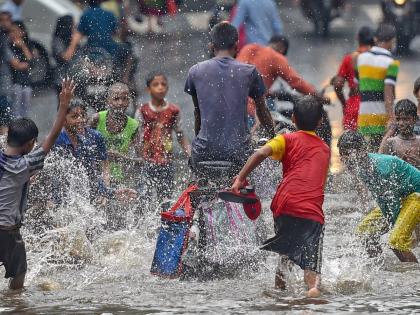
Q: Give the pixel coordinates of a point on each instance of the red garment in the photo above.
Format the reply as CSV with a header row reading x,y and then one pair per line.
x,y
305,166
241,31
157,132
351,110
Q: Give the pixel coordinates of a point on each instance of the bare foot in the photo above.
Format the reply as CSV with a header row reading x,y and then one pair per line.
x,y
313,293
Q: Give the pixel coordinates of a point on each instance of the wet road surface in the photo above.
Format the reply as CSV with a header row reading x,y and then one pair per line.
x,y
117,279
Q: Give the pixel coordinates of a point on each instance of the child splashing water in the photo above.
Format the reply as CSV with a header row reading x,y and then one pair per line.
x,y
297,204
160,119
18,163
88,147
395,185
120,131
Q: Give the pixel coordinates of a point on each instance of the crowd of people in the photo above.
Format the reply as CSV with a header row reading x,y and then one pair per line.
x,y
226,91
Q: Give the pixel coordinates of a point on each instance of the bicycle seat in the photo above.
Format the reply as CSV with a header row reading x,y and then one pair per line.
x,y
215,169
215,165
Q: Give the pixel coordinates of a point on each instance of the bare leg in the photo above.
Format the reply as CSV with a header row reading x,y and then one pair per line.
x,y
280,278
406,256
17,282
312,280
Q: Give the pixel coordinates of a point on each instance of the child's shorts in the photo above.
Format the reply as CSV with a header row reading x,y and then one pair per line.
x,y
12,253
299,239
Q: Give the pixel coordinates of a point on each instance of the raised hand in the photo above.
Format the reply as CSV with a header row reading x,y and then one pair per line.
x,y
67,92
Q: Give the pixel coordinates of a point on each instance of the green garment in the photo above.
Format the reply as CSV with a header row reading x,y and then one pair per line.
x,y
119,142
390,181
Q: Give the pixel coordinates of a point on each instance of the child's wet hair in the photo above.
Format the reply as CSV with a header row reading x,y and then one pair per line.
x,y
365,36
21,131
307,112
75,103
406,107
152,75
351,140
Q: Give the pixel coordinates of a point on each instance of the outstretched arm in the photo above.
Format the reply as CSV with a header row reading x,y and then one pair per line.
x,y
250,165
67,90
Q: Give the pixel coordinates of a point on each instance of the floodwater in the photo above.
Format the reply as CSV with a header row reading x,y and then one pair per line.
x,y
111,274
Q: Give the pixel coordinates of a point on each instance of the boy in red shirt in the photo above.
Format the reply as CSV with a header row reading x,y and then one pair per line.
x,y
347,73
160,119
297,204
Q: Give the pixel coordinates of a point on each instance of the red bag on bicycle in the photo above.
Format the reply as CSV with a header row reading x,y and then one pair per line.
x,y
183,203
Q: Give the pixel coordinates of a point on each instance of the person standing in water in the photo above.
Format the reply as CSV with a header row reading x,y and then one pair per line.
x,y
395,185
18,163
297,204
347,73
120,131
377,72
160,119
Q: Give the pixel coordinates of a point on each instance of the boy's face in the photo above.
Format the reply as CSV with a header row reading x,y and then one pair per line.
x,y
119,100
350,159
5,22
158,87
405,123
75,120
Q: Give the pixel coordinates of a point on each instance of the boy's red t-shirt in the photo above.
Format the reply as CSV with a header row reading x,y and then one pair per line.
x,y
305,158
158,125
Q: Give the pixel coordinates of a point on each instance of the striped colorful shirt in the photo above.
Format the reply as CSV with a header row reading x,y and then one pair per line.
x,y
375,68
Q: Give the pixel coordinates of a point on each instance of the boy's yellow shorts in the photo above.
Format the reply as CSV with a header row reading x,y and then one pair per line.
x,y
408,220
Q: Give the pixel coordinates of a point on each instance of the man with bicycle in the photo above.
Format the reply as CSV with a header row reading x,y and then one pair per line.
x,y
220,88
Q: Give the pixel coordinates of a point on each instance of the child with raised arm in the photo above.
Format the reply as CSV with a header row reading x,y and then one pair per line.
x,y
17,164
297,204
160,120
405,144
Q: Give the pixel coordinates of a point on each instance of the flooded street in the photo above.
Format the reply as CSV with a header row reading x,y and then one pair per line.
x,y
112,274
117,279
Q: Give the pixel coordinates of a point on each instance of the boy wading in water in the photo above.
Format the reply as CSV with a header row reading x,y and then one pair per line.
x,y
119,130
17,164
297,204
405,145
395,185
160,119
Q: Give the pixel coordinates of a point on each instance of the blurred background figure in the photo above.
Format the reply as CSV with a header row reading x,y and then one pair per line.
x,y
153,10
260,18
62,50
14,7
22,90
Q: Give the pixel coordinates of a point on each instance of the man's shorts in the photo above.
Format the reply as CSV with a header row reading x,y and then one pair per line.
x,y
299,239
401,236
12,253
